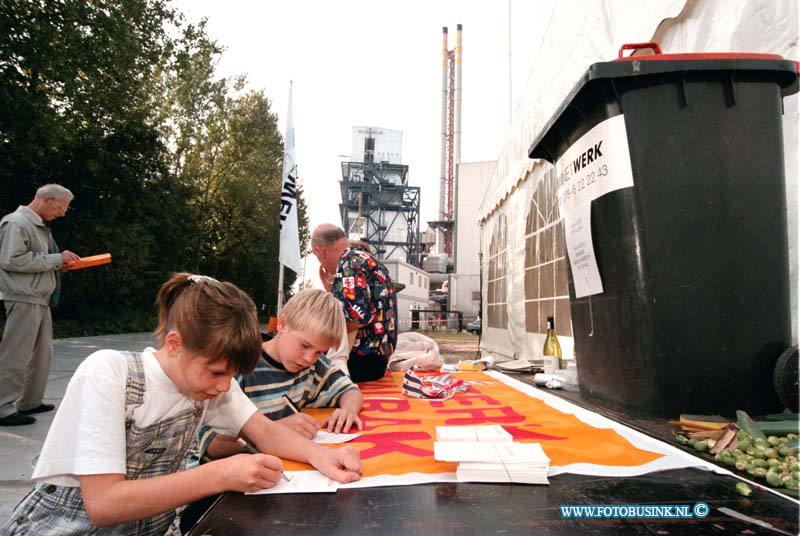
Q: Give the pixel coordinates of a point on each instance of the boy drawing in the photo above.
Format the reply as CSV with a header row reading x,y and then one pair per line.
x,y
292,364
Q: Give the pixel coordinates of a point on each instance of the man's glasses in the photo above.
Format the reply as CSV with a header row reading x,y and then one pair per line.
x,y
62,207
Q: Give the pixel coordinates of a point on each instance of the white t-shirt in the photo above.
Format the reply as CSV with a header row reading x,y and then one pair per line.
x,y
87,436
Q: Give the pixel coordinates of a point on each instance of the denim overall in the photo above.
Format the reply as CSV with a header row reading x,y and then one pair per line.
x,y
158,449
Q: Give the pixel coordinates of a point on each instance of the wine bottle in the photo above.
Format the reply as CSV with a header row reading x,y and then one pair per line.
x,y
552,348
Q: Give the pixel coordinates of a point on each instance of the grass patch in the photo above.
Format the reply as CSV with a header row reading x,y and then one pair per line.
x,y
449,336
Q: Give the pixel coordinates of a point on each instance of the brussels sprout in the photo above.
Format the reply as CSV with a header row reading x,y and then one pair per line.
x,y
772,440
744,444
743,489
774,480
741,465
790,484
700,446
759,462
742,435
770,453
760,472
772,462
681,439
774,471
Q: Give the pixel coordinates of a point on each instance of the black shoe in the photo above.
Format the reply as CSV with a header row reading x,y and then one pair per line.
x,y
17,419
41,408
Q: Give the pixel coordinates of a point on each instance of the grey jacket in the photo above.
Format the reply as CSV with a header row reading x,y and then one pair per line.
x,y
27,269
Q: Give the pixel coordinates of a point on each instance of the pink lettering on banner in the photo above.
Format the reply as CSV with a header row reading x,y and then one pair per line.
x,y
385,405
469,400
372,423
373,414
505,414
378,389
520,433
392,442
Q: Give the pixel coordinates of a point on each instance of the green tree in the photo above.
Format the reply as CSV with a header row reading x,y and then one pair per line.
x,y
79,97
173,167
228,151
245,208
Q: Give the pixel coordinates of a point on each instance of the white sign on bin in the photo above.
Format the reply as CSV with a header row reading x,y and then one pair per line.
x,y
578,231
595,165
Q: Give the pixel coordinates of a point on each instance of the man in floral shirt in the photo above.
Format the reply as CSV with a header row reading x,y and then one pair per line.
x,y
366,290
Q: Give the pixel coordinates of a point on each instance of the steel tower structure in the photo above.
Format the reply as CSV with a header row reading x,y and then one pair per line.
x,y
380,207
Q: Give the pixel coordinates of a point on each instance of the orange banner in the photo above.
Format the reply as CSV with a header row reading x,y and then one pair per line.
x,y
399,431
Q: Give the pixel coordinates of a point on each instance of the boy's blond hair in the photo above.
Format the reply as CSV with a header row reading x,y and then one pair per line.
x,y
316,310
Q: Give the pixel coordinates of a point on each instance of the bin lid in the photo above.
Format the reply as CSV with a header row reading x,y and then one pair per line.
x,y
770,67
659,56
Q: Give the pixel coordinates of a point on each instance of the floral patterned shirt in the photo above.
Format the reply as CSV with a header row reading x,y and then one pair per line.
x,y
366,289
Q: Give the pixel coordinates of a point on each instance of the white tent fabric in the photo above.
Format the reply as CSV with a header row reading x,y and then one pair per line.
x,y
582,33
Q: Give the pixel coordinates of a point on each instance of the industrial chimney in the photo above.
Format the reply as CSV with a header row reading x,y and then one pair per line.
x,y
451,141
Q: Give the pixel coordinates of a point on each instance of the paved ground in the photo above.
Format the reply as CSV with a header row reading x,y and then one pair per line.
x,y
19,444
454,347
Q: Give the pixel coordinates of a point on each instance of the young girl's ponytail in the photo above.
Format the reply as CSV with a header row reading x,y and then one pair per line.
x,y
215,319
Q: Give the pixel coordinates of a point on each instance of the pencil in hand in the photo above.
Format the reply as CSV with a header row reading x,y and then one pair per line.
x,y
252,450
291,404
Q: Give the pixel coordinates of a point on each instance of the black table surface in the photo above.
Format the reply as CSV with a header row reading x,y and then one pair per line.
x,y
472,508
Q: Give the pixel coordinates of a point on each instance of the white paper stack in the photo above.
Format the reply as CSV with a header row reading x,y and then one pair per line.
x,y
484,434
494,461
521,463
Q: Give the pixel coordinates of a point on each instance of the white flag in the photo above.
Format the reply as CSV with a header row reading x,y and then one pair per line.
x,y
289,254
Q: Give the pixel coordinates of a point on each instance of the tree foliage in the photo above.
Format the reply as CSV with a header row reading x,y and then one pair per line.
x,y
173,167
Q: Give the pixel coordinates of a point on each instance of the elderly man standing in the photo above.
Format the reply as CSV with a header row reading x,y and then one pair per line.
x,y
29,285
366,289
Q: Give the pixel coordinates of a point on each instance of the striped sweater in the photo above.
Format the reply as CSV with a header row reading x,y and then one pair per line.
x,y
318,386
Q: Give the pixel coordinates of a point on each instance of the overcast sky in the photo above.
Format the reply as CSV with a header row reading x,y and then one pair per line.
x,y
376,63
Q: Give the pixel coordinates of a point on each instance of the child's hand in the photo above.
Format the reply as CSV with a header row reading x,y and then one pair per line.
x,y
341,420
250,472
342,464
303,424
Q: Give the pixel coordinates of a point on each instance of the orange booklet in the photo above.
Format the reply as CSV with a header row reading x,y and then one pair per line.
x,y
87,262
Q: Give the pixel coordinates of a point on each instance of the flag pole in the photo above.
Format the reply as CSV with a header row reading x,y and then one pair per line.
x,y
289,241
280,290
